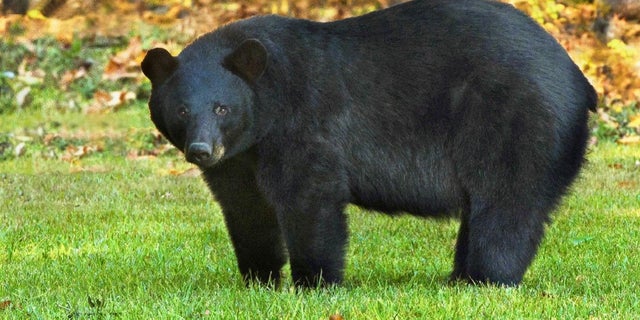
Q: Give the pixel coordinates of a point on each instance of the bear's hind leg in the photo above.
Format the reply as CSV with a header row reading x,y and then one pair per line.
x,y
501,242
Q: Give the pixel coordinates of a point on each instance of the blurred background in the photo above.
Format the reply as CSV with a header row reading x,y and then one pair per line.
x,y
82,57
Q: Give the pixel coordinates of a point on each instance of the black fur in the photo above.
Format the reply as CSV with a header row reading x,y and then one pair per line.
x,y
432,107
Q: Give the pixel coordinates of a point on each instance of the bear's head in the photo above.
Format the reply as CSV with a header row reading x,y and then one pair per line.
x,y
202,100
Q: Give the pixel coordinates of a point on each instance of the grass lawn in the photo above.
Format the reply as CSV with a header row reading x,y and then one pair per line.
x,y
110,236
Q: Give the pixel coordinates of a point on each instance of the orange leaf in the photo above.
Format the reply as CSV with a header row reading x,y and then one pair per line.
x,y
6,304
125,63
635,121
72,75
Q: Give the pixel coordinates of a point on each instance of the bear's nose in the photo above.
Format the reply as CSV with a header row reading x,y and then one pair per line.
x,y
199,152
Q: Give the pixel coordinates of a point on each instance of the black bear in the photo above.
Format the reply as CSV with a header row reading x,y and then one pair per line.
x,y
431,107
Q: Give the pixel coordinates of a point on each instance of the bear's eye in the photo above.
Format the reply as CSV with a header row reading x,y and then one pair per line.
x,y
221,110
183,111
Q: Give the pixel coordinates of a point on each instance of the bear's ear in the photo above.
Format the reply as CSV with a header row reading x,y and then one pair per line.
x,y
158,65
248,61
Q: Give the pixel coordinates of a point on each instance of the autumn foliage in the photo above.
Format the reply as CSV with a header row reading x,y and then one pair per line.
x,y
86,54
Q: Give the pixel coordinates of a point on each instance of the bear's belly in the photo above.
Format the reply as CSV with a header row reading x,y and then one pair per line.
x,y
423,188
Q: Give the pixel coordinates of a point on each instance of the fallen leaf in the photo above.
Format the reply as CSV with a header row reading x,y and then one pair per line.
x,y
30,77
90,169
106,101
136,155
20,149
167,195
22,95
5,304
36,14
336,316
189,173
628,140
168,17
73,153
634,121
125,64
627,184
616,166
72,75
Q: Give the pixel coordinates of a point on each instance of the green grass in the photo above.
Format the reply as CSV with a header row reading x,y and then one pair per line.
x,y
110,237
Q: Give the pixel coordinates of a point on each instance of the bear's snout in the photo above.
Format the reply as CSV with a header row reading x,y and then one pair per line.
x,y
203,155
198,152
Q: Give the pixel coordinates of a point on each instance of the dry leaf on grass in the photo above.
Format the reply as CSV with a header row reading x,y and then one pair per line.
x,y
628,140
125,64
107,101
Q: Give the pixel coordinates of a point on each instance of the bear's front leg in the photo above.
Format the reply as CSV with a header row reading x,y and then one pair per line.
x,y
309,193
316,236
251,221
